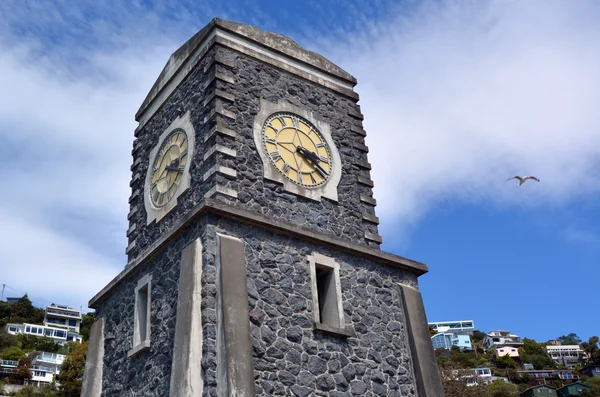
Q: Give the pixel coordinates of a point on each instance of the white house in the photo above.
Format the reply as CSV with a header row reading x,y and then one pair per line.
x,y
45,366
59,335
62,316
567,355
501,338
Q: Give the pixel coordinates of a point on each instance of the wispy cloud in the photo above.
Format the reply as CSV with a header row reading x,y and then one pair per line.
x,y
461,95
458,96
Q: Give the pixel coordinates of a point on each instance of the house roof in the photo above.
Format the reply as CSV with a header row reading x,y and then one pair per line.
x,y
539,386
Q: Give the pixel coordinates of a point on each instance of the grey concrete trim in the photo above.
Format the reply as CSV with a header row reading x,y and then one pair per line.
x,y
224,61
370,218
220,128
368,200
266,55
130,247
235,368
131,229
141,342
212,206
220,169
358,129
220,94
186,377
276,50
363,164
135,193
136,162
427,376
137,144
219,110
365,181
373,237
219,149
136,176
356,114
361,147
94,363
132,212
183,123
219,60
224,77
328,190
143,346
332,306
347,331
218,189
172,75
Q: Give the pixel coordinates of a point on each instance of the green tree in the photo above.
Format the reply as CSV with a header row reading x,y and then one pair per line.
x,y
500,388
571,339
5,313
506,361
88,321
454,382
71,372
7,340
594,383
592,350
532,347
478,336
12,353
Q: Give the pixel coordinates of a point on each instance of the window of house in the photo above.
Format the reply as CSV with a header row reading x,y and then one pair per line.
x,y
327,294
141,315
72,323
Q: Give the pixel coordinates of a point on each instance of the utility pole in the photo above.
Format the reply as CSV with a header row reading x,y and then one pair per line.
x,y
3,286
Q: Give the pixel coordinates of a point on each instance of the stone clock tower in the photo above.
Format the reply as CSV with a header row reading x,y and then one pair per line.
x,y
254,265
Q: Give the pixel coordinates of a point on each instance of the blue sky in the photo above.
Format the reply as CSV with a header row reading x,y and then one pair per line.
x,y
458,96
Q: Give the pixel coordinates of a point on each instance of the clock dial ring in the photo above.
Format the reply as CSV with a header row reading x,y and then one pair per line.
x,y
297,149
168,167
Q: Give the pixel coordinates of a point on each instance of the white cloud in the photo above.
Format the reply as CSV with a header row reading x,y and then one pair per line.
x,y
66,138
458,96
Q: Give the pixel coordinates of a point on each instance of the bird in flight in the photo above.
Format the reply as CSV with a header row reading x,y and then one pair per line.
x,y
522,179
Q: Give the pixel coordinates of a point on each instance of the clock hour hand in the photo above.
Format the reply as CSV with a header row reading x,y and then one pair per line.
x,y
173,168
313,158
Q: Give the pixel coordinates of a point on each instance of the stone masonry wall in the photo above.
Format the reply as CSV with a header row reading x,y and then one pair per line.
x,y
292,359
148,373
255,80
289,357
244,81
190,95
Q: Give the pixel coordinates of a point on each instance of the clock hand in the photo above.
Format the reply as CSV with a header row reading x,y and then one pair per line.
x,y
173,168
313,158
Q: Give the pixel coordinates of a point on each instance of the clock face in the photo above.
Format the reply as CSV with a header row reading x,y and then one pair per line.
x,y
168,168
297,149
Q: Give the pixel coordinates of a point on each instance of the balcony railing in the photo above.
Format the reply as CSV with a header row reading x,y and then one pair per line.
x,y
9,363
63,313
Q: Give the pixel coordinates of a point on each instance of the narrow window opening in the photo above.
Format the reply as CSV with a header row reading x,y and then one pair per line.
x,y
327,296
142,313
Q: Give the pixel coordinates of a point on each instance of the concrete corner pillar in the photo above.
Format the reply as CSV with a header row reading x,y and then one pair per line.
x,y
92,376
186,371
235,370
427,374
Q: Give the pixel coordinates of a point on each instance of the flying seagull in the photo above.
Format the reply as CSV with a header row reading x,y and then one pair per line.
x,y
522,179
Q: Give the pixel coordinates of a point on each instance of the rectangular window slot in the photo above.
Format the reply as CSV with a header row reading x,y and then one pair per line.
x,y
142,313
141,316
327,296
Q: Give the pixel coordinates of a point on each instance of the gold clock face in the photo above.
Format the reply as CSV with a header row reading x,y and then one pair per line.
x,y
168,167
297,149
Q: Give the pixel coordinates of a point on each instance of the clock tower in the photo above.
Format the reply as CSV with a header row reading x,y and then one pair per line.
x,y
254,265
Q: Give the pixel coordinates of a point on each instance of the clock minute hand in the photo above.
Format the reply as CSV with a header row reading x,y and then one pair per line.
x,y
313,158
